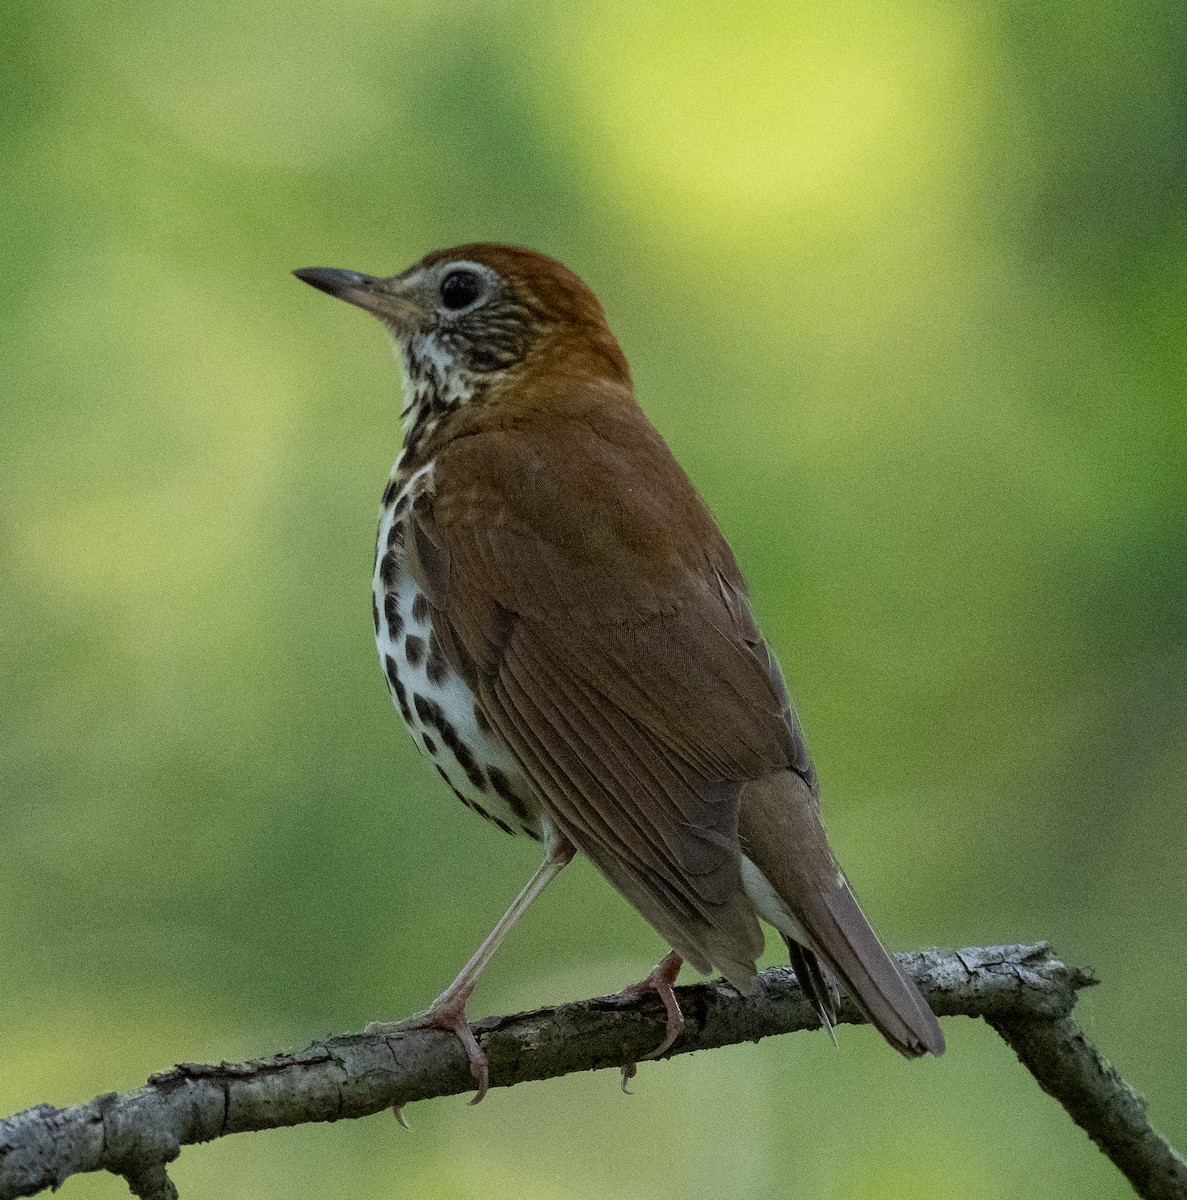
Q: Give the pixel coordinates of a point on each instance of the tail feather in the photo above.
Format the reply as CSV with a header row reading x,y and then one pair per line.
x,y
800,890
817,984
886,996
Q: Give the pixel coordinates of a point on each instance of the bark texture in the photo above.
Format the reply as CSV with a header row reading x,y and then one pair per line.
x,y
1024,992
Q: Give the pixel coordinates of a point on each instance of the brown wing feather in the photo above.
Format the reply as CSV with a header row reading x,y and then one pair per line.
x,y
623,688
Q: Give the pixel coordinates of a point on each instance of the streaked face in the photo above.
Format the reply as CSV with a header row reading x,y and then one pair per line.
x,y
455,315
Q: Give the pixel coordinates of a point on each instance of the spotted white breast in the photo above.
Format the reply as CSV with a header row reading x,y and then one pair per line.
x,y
437,705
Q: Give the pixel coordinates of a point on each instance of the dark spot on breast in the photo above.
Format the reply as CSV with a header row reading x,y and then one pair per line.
x,y
393,677
508,794
461,752
393,674
424,709
436,668
389,568
500,823
374,613
429,744
441,771
420,607
460,795
501,784
389,492
391,612
414,649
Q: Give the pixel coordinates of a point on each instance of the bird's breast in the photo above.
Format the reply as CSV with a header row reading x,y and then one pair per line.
x,y
438,706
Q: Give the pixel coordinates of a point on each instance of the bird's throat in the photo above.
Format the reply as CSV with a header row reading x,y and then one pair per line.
x,y
436,387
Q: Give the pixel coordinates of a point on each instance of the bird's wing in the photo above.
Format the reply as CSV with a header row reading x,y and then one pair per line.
x,y
602,623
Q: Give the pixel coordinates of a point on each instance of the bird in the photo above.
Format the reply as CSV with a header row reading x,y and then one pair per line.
x,y
570,640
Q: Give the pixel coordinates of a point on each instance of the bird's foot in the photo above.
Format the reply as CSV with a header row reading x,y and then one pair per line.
x,y
661,981
449,1013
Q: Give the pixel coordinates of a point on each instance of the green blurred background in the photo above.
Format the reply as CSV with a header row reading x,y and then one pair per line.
x,y
904,285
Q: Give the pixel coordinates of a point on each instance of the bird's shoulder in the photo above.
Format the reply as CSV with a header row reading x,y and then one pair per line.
x,y
575,508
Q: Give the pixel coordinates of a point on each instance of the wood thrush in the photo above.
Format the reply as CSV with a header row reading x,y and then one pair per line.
x,y
568,637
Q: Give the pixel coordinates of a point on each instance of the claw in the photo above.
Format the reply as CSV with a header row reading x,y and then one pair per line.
x,y
450,1016
660,981
398,1113
675,1023
479,1064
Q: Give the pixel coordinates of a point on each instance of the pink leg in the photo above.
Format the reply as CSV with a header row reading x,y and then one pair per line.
x,y
662,981
448,1011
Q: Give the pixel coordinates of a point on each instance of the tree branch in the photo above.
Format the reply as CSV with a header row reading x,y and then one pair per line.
x,y
1024,992
1071,1069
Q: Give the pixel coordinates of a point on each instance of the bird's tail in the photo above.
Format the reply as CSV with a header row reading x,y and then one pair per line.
x,y
795,884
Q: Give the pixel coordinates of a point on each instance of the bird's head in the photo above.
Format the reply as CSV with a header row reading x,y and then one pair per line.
x,y
472,315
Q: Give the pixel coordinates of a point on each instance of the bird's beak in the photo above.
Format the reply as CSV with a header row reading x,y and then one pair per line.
x,y
388,299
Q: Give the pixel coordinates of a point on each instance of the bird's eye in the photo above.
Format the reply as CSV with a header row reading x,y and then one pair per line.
x,y
460,289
